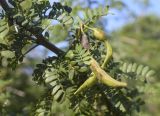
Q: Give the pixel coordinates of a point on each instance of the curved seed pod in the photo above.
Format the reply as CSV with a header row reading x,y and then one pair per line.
x,y
103,77
139,69
87,84
98,33
92,80
109,53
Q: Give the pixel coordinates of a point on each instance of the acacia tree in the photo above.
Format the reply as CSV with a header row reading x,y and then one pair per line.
x,y
85,77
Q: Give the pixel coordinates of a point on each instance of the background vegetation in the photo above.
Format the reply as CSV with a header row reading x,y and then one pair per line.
x,y
137,41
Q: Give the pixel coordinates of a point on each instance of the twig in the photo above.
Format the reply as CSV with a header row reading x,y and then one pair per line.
x,y
40,39
30,49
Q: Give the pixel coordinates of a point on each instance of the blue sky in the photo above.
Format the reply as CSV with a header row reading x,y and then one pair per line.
x,y
119,19
122,17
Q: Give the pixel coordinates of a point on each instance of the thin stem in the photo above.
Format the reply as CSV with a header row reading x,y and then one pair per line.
x,y
89,27
81,27
22,55
40,39
30,49
4,5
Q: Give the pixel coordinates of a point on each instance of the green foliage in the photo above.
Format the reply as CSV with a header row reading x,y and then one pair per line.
x,y
25,22
150,31
139,70
65,76
28,23
4,28
12,92
142,42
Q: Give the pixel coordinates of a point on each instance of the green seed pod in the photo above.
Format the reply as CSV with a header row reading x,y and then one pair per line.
x,y
92,80
103,77
87,84
98,33
109,53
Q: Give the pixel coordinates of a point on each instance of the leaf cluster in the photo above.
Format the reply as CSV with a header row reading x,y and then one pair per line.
x,y
62,75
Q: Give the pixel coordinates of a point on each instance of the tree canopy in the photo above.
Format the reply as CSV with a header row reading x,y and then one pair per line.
x,y
94,75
